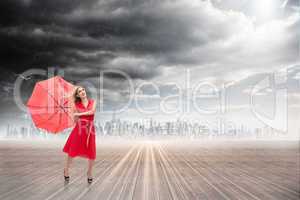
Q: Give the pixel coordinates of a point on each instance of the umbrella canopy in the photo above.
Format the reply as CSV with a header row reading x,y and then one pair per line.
x,y
51,104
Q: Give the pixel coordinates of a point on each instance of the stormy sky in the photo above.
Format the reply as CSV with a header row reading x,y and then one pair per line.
x,y
160,44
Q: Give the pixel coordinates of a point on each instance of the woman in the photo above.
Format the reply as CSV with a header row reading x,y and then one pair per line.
x,y
82,140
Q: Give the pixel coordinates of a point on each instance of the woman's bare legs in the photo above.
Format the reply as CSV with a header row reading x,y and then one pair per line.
x,y
90,167
68,164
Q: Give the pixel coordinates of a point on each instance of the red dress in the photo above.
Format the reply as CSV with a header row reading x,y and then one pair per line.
x,y
82,139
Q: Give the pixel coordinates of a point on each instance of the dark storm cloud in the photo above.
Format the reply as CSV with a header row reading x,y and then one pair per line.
x,y
70,33
37,34
52,32
18,12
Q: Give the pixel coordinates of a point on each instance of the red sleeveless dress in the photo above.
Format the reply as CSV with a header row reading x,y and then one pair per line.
x,y
82,139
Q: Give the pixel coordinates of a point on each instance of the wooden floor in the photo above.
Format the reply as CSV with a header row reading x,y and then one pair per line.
x,y
153,170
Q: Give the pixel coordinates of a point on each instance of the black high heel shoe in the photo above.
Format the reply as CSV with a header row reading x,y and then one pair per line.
x,y
67,178
89,179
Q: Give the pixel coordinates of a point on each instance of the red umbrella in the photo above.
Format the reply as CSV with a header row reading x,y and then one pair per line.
x,y
51,104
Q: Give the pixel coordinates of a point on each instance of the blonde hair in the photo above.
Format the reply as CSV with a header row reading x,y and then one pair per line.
x,y
75,97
